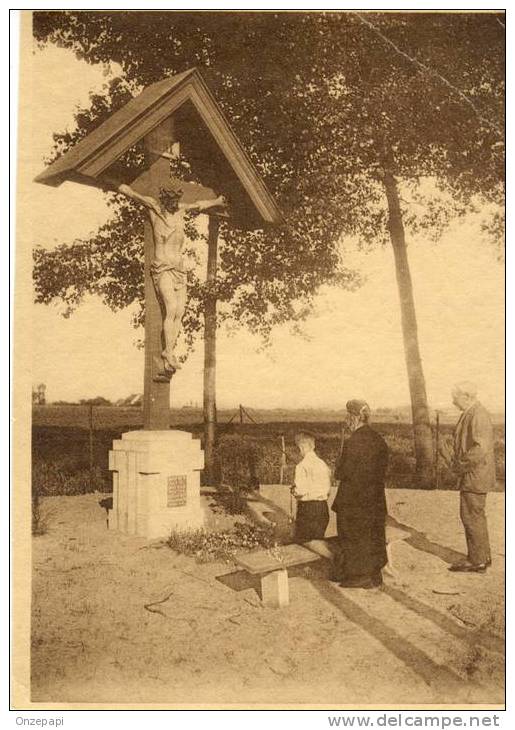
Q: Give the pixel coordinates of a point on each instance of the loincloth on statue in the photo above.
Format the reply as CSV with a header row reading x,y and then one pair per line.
x,y
177,276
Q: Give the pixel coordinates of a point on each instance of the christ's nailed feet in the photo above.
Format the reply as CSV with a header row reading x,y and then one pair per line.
x,y
162,371
162,377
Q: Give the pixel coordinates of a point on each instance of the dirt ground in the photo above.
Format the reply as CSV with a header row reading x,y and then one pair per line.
x,y
116,619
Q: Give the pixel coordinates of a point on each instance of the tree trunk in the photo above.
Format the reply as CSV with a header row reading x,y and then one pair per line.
x,y
210,475
422,434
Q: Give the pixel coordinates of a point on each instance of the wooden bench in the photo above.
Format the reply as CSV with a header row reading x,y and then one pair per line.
x,y
272,566
274,571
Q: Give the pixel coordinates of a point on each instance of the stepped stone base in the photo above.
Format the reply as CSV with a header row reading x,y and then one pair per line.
x,y
156,483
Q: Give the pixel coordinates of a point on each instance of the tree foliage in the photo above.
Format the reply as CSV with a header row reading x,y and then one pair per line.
x,y
262,274
323,103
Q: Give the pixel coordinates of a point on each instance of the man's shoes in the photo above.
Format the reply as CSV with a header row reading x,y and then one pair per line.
x,y
162,377
366,586
373,584
467,567
367,583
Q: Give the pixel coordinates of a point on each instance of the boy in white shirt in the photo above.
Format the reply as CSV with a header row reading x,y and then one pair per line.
x,y
311,490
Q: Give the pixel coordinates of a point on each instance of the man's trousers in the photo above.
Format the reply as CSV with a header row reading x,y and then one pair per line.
x,y
472,513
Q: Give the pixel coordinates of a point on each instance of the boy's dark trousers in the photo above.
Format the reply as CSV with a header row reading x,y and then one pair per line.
x,y
312,520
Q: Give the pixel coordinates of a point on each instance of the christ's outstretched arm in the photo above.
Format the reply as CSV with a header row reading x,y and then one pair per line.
x,y
201,205
146,200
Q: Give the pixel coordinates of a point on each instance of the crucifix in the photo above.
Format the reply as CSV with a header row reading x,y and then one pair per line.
x,y
177,114
165,276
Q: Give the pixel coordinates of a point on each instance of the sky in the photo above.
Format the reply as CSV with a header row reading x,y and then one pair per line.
x,y
353,344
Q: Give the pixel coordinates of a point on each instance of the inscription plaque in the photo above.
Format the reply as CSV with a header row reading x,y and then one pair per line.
x,y
176,493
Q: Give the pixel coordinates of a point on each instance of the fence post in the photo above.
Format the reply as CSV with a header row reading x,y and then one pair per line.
x,y
437,451
342,438
91,447
283,461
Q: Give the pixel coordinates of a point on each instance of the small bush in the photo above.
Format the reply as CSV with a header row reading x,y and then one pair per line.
x,y
207,547
40,515
52,479
39,526
239,458
500,460
230,502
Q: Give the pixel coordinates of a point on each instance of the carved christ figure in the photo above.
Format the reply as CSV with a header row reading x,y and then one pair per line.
x,y
167,217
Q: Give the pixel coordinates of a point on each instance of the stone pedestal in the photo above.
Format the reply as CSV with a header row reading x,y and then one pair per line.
x,y
156,483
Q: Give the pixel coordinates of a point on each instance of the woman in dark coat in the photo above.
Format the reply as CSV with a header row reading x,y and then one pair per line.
x,y
360,503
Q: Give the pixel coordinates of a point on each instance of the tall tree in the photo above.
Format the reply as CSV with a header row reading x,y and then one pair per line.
x,y
345,114
420,98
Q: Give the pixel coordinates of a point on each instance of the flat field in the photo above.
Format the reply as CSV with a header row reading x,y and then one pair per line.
x,y
248,452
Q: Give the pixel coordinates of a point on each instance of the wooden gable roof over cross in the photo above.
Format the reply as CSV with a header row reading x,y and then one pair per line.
x,y
206,140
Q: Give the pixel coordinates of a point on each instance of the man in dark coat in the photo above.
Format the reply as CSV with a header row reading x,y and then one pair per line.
x,y
360,503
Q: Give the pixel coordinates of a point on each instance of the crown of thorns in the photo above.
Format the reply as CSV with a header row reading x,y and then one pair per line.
x,y
171,192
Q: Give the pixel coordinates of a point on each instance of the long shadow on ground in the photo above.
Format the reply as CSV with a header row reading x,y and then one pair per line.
x,y
486,639
419,541
409,654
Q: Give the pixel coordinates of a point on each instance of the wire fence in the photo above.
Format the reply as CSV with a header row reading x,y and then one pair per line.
x,y
71,446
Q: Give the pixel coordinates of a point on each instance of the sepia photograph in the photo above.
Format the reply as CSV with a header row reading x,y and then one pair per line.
x,y
259,360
